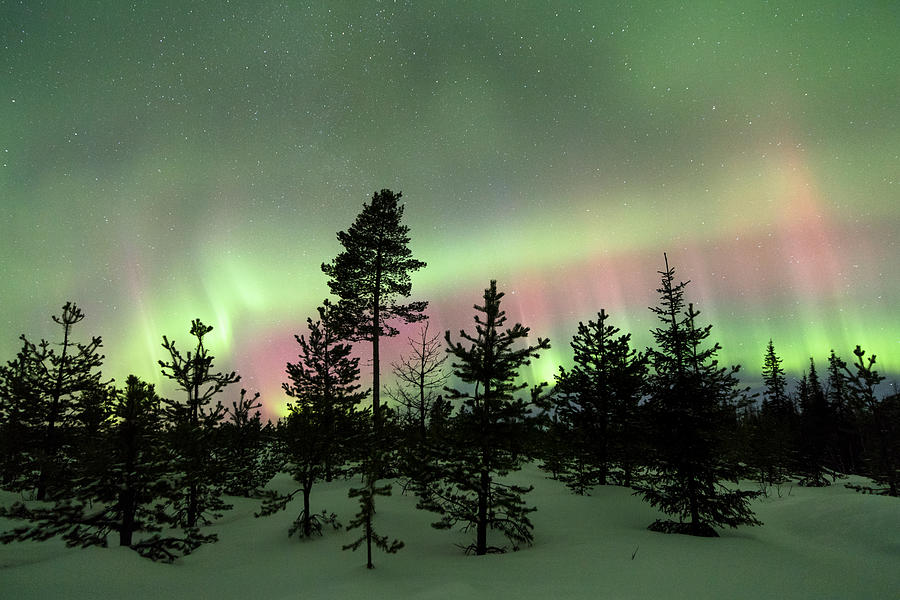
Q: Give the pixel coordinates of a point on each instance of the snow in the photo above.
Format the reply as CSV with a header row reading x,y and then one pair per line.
x,y
816,543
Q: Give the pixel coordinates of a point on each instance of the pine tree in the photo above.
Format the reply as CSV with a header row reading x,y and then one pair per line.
x,y
92,425
370,274
596,404
122,487
319,432
365,518
21,418
246,449
41,391
192,430
487,437
692,410
882,425
139,469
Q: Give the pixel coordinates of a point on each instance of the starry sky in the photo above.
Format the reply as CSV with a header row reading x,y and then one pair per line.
x,y
167,160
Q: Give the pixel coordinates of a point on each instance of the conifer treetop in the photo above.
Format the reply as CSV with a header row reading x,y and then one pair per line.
x,y
192,370
373,270
490,357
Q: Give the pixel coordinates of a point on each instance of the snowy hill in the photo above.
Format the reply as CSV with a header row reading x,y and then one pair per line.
x,y
816,543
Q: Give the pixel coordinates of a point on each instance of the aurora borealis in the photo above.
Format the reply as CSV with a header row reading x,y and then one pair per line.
x,y
162,161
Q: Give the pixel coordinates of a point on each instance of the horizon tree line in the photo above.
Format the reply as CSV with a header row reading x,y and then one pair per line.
x,y
668,422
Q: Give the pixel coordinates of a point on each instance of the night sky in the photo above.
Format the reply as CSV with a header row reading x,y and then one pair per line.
x,y
162,161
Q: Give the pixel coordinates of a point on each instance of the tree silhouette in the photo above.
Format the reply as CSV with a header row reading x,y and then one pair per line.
x,y
371,274
775,428
319,432
595,406
40,394
848,415
815,426
21,421
882,459
419,378
364,519
775,394
692,410
486,438
122,486
192,431
245,448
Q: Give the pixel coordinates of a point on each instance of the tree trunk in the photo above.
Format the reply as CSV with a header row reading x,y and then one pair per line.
x,y
307,525
482,525
50,441
193,491
484,487
695,512
422,404
603,471
127,506
376,335
376,378
192,505
369,564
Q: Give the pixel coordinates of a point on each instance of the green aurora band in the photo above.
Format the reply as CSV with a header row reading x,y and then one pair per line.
x,y
169,161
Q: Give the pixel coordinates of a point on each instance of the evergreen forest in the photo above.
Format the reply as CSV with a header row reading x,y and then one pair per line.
x,y
99,462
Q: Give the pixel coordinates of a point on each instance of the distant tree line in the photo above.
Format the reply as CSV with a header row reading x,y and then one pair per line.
x,y
89,458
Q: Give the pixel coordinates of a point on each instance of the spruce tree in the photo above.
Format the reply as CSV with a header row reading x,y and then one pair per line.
x,y
318,435
692,410
815,426
370,274
775,394
596,404
487,437
192,435
775,428
845,443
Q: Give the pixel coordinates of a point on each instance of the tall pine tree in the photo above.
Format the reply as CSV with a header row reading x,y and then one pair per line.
x,y
371,274
692,409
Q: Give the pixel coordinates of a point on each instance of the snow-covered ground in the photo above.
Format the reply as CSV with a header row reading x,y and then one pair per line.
x,y
816,543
